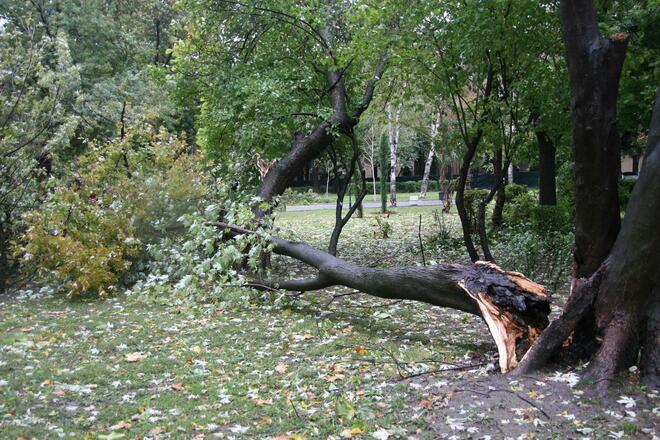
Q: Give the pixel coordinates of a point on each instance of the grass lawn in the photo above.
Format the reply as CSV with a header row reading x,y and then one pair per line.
x,y
275,366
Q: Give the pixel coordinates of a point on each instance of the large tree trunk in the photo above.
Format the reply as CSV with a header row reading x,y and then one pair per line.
x,y
594,67
394,132
547,185
514,308
624,292
632,281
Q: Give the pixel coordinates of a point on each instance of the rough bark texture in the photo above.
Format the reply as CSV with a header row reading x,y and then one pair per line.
x,y
623,294
594,66
627,294
547,169
514,308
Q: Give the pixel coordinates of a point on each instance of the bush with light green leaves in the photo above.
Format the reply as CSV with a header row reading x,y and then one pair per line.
x,y
91,232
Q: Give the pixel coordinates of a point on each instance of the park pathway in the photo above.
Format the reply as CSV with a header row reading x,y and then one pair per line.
x,y
320,206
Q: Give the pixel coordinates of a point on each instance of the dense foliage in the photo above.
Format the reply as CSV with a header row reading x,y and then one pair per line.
x,y
126,128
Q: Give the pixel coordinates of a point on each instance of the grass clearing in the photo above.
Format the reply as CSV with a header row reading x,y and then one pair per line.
x,y
260,366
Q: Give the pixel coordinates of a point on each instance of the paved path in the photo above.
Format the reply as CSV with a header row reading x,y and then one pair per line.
x,y
320,206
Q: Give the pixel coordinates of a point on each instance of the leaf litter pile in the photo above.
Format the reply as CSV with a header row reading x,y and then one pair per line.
x,y
328,364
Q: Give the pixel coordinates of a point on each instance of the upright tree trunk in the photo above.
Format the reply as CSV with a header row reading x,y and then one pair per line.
x,y
394,131
463,177
628,294
427,172
498,170
316,181
383,155
618,285
509,174
444,184
624,293
594,67
429,160
157,55
547,153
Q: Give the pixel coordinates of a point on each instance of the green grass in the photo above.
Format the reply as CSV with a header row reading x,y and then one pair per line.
x,y
247,366
67,369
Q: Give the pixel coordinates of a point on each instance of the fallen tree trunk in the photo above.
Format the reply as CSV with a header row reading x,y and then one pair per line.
x,y
514,308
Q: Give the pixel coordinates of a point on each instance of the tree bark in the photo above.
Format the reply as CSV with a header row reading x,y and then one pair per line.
x,y
382,156
632,284
316,181
460,195
500,196
429,160
547,171
340,219
394,132
594,67
623,294
427,172
514,308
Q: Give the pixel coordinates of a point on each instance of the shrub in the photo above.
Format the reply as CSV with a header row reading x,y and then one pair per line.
x,y
543,257
408,187
525,210
513,191
414,186
78,243
383,228
83,238
521,210
548,219
294,197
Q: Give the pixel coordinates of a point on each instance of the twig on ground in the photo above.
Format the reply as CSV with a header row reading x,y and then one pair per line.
x,y
442,370
294,409
391,303
524,399
340,295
